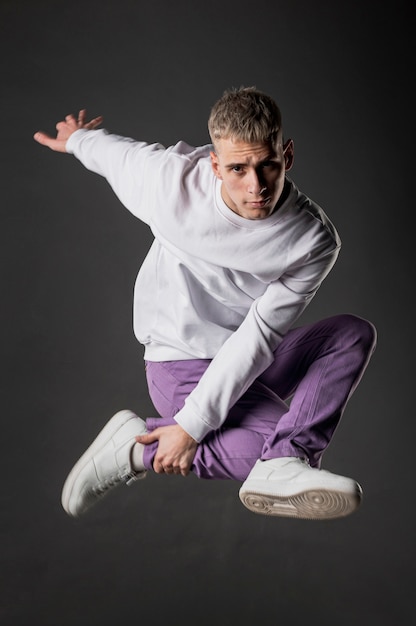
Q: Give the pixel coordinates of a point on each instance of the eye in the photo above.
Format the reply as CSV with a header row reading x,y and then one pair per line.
x,y
237,169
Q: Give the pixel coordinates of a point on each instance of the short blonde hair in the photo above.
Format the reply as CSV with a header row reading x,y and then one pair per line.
x,y
245,114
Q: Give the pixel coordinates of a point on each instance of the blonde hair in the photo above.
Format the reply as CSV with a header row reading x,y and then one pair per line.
x,y
245,114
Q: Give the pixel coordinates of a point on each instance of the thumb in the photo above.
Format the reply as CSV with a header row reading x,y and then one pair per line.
x,y
148,438
42,137
46,140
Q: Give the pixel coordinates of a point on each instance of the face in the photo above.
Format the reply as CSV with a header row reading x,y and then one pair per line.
x,y
252,174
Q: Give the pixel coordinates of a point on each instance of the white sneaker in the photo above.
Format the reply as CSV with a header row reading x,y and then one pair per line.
x,y
104,465
289,487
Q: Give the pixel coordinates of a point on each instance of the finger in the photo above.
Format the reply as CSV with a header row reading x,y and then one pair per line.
x,y
69,118
50,142
42,138
145,439
158,467
94,122
47,140
81,117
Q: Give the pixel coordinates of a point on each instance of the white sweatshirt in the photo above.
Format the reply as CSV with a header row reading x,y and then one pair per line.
x,y
214,285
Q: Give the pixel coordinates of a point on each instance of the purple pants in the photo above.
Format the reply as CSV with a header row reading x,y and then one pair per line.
x,y
292,409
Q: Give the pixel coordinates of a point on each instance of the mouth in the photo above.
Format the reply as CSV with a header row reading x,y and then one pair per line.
x,y
259,204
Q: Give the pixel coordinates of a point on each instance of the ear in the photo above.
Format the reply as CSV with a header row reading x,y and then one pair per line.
x,y
288,153
215,164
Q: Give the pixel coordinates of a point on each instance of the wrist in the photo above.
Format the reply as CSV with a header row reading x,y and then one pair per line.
x,y
185,434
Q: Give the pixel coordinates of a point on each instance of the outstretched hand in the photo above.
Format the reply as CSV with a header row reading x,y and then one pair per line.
x,y
65,130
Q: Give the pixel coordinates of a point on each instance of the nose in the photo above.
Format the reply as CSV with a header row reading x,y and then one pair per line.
x,y
255,184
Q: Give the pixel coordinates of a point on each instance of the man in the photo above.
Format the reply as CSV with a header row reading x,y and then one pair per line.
x,y
238,254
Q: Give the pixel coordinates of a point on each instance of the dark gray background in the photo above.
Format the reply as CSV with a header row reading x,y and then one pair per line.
x,y
182,551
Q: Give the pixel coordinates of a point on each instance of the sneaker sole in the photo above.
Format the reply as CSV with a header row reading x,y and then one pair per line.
x,y
312,504
113,425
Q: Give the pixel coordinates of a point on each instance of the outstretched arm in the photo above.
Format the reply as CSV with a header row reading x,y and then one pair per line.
x,y
65,130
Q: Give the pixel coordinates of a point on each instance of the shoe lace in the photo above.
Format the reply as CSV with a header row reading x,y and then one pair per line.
x,y
115,479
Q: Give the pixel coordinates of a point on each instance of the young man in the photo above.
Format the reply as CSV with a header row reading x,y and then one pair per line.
x,y
238,254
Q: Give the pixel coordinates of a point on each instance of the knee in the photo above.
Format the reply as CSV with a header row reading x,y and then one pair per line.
x,y
359,330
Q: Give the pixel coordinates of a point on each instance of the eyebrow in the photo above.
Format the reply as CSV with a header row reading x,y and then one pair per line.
x,y
270,157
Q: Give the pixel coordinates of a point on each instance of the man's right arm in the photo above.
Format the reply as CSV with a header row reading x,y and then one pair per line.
x,y
129,166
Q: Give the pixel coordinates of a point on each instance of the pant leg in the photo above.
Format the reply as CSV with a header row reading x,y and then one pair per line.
x,y
321,365
229,452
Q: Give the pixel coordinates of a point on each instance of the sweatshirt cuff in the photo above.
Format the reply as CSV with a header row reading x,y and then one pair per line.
x,y
71,142
192,424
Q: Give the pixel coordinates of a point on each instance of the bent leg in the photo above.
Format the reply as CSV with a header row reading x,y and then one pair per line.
x,y
321,365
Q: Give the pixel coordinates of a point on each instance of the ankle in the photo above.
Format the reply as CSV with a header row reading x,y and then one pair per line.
x,y
137,457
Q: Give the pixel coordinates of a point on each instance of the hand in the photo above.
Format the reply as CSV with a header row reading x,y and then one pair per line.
x,y
65,130
176,449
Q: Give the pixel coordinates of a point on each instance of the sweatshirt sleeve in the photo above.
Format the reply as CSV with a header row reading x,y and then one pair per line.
x,y
129,166
249,350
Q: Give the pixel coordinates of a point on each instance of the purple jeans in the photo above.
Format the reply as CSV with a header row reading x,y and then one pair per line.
x,y
292,409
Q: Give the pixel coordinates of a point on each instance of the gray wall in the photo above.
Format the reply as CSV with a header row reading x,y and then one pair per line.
x,y
173,550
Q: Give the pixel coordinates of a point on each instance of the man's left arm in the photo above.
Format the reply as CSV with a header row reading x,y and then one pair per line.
x,y
250,349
